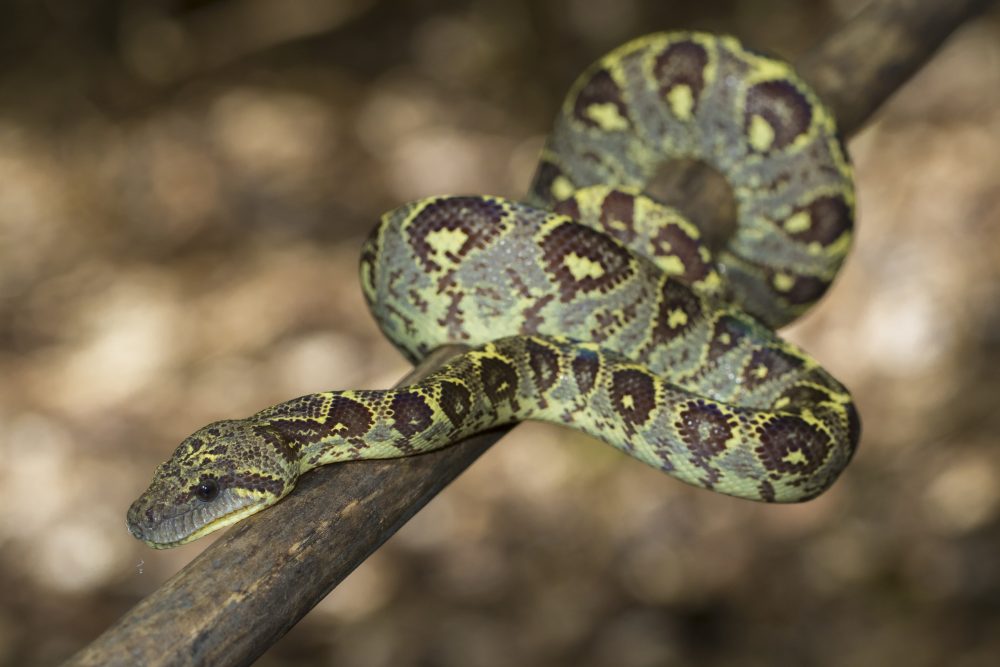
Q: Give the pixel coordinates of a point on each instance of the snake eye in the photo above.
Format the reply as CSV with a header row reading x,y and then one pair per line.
x,y
207,490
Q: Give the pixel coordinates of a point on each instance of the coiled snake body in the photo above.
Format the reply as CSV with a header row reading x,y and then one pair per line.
x,y
591,305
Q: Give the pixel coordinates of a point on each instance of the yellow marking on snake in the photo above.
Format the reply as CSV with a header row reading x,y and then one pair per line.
x,y
783,282
607,117
681,101
562,188
798,222
582,267
672,264
677,318
761,134
795,457
444,241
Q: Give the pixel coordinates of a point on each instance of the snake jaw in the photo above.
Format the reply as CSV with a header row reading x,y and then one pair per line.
x,y
180,525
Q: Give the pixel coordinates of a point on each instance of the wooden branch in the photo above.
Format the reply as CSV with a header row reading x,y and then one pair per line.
x,y
245,591
856,68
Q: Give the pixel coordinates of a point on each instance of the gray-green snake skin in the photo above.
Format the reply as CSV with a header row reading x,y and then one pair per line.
x,y
591,305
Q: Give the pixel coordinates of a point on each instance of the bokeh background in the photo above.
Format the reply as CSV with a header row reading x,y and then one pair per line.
x,y
184,186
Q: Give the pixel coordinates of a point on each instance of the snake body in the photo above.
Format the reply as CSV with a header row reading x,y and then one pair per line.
x,y
592,304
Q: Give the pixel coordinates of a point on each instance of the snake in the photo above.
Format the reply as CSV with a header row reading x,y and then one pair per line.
x,y
591,303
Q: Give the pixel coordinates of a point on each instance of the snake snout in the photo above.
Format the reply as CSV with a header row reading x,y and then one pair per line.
x,y
143,519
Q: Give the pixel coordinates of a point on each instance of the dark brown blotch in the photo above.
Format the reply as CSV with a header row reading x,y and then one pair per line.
x,y
805,290
568,207
601,88
586,365
478,218
410,413
829,217
682,63
571,238
303,431
790,445
768,364
618,215
704,429
251,481
499,379
354,417
805,395
679,310
783,107
672,241
545,176
456,402
275,440
728,333
633,393
311,406
544,364
347,418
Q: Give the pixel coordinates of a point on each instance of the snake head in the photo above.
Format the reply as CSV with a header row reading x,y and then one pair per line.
x,y
219,475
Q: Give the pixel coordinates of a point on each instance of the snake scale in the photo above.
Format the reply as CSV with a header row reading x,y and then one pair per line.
x,y
591,304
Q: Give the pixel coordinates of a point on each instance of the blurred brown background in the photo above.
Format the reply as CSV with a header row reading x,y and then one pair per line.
x,y
183,191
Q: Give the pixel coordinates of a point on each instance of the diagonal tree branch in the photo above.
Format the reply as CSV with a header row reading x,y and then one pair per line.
x,y
245,591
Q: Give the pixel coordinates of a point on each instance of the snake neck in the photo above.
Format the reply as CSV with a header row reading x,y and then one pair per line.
x,y
332,427
600,393
491,386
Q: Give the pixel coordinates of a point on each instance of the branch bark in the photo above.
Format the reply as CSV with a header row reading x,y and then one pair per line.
x,y
854,70
247,589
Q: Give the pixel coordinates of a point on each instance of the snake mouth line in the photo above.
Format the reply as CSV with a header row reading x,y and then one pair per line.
x,y
222,521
